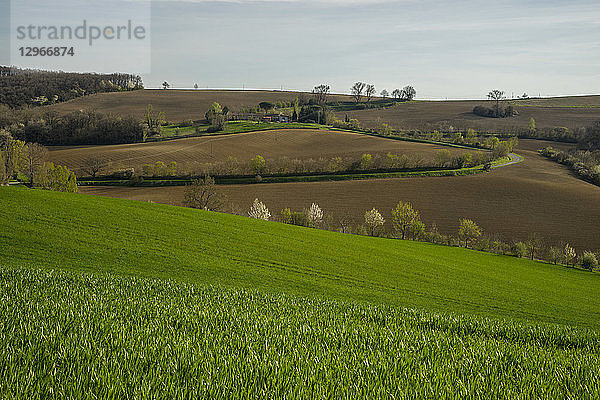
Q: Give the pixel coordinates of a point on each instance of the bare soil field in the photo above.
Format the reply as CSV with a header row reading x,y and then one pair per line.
x,y
180,105
535,196
189,153
548,113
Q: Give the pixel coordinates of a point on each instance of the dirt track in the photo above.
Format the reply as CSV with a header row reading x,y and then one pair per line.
x,y
535,195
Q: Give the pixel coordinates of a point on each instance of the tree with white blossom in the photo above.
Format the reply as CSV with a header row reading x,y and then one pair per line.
x,y
259,211
315,215
374,221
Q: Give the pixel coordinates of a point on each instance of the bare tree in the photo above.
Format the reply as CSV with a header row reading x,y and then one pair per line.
x,y
384,93
357,90
321,93
396,93
496,95
202,194
369,92
94,164
35,155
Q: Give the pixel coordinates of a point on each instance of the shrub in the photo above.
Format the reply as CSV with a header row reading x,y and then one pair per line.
x,y
136,180
520,249
554,255
365,161
374,221
404,216
56,177
186,123
258,164
259,211
569,254
468,230
314,215
588,260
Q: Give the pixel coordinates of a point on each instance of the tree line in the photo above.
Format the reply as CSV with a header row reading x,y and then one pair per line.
x,y
28,87
405,223
29,160
79,127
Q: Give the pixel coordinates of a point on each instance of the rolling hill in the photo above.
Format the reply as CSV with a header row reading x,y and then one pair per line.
x,y
191,153
112,298
180,105
94,234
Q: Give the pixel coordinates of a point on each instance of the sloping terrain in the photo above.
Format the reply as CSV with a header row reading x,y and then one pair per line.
x,y
534,196
189,153
180,105
95,234
570,112
74,335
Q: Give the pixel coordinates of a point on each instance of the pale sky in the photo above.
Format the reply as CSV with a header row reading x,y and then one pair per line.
x,y
445,49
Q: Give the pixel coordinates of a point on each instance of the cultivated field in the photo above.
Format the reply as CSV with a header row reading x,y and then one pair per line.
x,y
73,335
535,196
94,234
570,112
180,105
190,153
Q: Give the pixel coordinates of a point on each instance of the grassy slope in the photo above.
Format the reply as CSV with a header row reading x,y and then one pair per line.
x,y
87,233
72,335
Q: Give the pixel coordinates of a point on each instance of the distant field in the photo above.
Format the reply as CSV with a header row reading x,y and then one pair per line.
x,y
180,105
95,234
535,196
274,144
548,113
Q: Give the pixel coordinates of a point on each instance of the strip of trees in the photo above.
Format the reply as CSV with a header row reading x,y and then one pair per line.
x,y
405,223
80,127
362,89
29,160
23,87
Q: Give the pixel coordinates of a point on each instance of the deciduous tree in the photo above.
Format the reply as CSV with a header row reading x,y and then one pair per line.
x,y
314,215
203,194
496,95
258,164
357,90
259,211
374,221
320,92
468,230
55,177
94,164
408,93
369,92
403,217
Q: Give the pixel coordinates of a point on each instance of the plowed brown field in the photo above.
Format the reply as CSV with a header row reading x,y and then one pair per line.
x,y
426,114
292,143
535,196
180,105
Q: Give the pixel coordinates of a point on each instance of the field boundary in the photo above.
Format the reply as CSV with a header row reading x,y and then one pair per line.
x,y
158,182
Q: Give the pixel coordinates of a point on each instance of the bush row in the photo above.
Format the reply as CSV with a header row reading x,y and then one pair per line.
x,y
586,164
